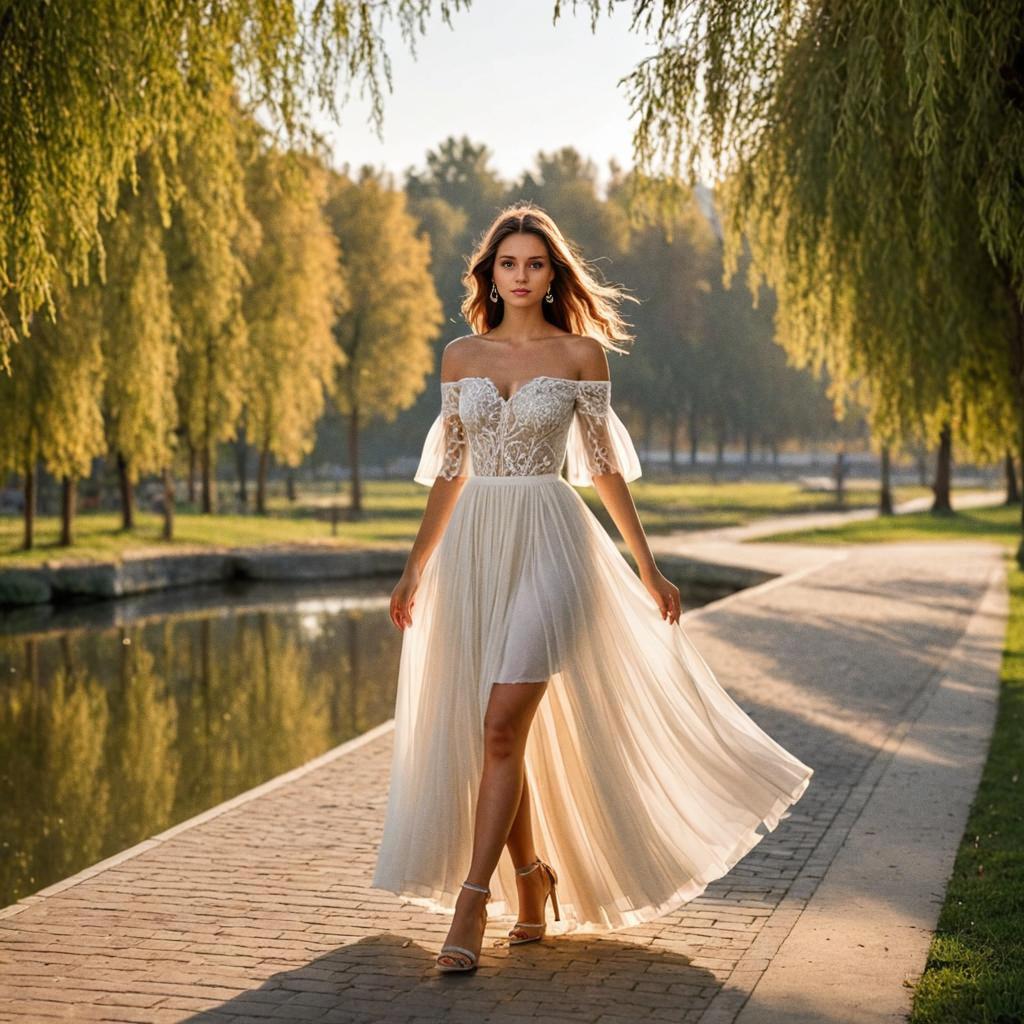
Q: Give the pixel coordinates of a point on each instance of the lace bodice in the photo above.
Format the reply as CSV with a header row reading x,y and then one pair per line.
x,y
547,422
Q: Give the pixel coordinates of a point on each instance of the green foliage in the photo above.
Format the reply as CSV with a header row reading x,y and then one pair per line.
x,y
872,154
86,87
212,234
294,294
565,183
395,312
50,405
140,335
453,198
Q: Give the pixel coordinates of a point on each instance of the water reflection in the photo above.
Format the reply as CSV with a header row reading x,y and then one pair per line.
x,y
119,719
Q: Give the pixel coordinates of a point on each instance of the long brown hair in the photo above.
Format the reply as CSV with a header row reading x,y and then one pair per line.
x,y
583,305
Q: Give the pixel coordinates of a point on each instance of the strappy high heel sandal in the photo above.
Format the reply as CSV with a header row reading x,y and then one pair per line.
x,y
450,949
520,926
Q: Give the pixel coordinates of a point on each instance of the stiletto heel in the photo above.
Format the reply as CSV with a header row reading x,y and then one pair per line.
x,y
449,949
519,926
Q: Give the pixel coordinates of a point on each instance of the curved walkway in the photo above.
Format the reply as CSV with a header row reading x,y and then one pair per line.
x,y
877,665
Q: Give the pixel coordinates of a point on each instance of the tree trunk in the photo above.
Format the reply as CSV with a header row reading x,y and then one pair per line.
x,y
648,433
353,461
1016,341
168,477
1012,487
289,484
885,491
719,460
29,520
673,439
127,493
840,473
943,471
261,481
206,466
241,466
67,510
694,438
748,447
191,474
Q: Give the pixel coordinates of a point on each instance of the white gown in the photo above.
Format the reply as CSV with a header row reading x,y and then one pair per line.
x,y
647,781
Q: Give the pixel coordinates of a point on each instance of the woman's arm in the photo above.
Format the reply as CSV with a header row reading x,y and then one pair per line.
x,y
440,502
616,497
444,492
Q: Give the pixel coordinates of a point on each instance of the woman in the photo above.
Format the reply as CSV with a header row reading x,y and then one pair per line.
x,y
546,694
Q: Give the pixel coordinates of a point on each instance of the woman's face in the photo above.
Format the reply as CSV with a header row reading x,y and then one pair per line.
x,y
522,269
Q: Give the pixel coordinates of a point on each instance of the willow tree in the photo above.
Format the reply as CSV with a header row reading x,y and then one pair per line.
x,y
296,292
140,337
212,236
50,405
395,311
74,123
984,406
872,153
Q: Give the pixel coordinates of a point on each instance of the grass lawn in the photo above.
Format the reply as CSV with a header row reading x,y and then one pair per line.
x,y
975,968
1000,524
392,512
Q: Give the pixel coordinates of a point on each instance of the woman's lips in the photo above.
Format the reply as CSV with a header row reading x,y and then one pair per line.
x,y
520,291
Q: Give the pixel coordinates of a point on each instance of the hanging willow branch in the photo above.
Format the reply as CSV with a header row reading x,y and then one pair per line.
x,y
85,87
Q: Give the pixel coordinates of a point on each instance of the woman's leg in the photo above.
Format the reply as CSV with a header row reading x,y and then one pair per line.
x,y
532,889
507,721
520,835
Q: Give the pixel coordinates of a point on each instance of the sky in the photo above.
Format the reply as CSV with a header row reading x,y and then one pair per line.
x,y
506,77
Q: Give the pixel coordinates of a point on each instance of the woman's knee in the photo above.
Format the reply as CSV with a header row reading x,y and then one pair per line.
x,y
509,713
502,736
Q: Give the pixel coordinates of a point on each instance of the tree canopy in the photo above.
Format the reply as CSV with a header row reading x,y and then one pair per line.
x,y
85,88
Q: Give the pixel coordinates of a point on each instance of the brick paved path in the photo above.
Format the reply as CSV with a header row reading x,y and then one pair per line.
x,y
259,910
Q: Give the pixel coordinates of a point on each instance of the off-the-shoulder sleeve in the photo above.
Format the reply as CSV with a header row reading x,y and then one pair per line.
x,y
446,446
598,441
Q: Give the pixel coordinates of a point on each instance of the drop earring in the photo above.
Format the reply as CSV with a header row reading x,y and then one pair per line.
x,y
494,293
549,297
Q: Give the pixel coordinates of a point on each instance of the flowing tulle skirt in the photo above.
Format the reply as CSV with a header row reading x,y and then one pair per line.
x,y
647,781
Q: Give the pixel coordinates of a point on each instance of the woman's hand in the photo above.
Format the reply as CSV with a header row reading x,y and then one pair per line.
x,y
403,597
664,592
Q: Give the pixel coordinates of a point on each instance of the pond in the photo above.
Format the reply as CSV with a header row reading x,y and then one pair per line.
x,y
122,718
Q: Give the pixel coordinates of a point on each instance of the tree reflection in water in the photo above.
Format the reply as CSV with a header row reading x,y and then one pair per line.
x,y
121,719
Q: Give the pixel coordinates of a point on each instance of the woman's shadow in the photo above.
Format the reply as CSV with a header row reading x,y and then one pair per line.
x,y
391,978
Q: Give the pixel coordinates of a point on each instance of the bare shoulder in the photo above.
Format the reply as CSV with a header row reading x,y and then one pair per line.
x,y
455,356
590,357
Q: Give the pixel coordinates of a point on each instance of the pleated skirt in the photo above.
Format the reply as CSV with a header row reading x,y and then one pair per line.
x,y
647,781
